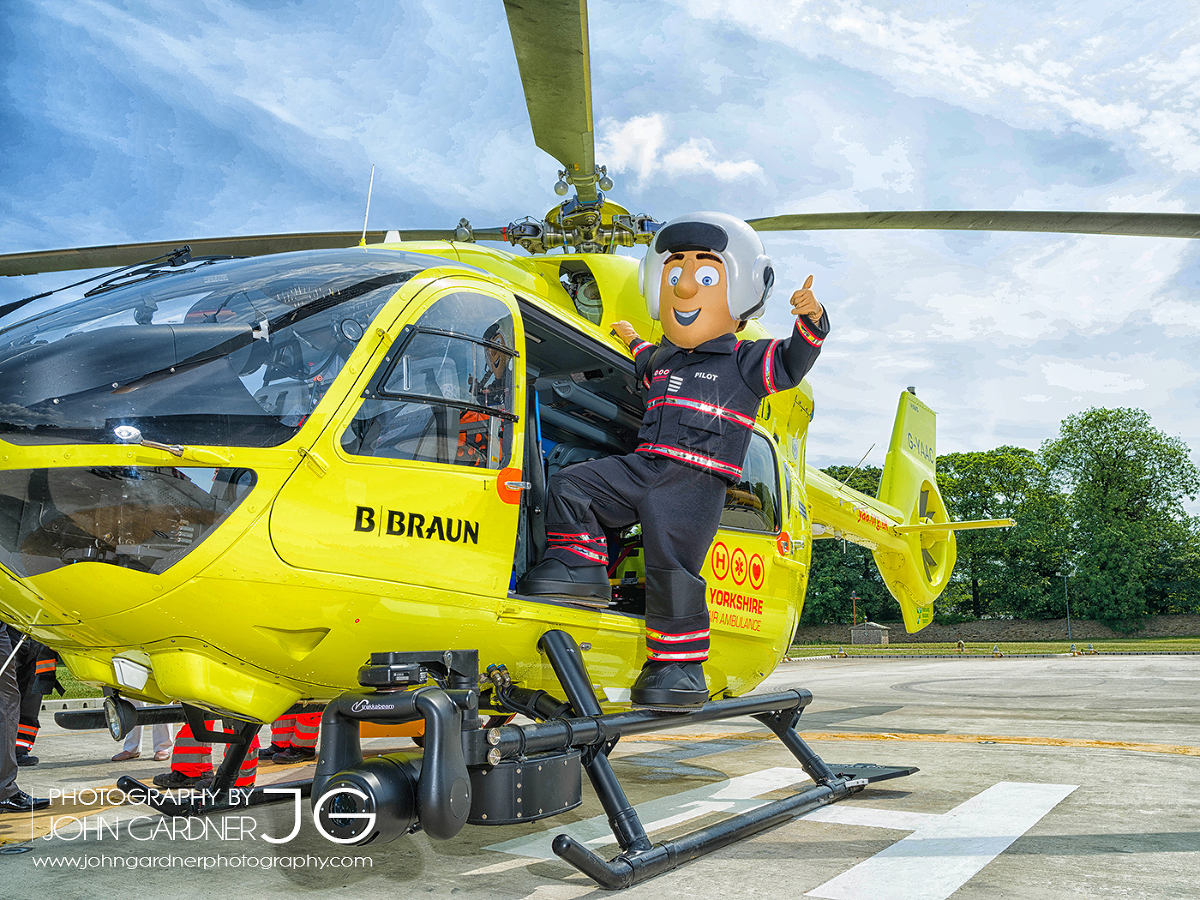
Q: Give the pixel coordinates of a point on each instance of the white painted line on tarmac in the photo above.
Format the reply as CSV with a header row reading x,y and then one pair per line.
x,y
895,819
504,866
945,852
560,891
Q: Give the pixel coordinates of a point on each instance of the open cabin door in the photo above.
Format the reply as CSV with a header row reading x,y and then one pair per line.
x,y
417,479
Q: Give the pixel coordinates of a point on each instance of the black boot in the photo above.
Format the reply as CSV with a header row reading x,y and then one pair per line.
x,y
669,685
552,576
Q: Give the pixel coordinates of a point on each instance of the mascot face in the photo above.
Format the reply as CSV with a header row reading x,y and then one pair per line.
x,y
693,298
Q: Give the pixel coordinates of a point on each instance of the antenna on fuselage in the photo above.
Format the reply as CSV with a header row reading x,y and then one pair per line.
x,y
846,483
363,240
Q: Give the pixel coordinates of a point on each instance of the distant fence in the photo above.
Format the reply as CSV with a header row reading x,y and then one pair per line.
x,y
1010,630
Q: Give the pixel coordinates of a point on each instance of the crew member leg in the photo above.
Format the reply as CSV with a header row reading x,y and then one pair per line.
x,y
282,730
580,500
680,514
302,739
191,762
10,710
31,706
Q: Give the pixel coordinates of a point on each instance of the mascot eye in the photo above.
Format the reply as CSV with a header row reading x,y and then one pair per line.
x,y
673,275
707,276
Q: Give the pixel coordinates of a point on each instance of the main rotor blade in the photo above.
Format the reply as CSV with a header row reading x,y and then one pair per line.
x,y
550,38
115,255
1182,225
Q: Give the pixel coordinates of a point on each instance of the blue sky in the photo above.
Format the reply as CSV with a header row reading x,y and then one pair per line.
x,y
141,121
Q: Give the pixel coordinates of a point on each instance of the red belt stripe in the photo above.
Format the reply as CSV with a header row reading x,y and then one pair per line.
x,y
698,405
690,456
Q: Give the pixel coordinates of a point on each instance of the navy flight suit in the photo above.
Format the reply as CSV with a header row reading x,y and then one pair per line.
x,y
691,446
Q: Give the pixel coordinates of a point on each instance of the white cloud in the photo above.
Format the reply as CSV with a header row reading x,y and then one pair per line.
x,y
889,170
996,59
637,145
698,156
631,146
1075,377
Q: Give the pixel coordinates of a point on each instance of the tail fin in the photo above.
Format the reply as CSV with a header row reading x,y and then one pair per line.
x,y
909,484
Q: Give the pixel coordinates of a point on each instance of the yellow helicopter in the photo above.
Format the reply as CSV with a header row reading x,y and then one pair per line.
x,y
232,473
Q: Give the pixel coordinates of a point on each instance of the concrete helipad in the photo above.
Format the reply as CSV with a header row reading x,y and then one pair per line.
x,y
1040,778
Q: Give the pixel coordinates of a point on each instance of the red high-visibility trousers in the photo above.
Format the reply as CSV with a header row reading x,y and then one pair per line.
x,y
193,758
296,730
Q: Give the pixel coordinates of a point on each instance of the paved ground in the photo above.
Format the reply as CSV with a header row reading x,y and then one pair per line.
x,y
1040,778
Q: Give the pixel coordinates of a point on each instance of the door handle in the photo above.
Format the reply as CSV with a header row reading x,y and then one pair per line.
x,y
789,563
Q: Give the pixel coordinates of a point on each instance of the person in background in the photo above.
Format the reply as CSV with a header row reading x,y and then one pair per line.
x,y
161,734
37,667
191,762
293,738
12,798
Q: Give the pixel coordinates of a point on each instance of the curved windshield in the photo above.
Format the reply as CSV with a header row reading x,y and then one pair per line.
x,y
236,353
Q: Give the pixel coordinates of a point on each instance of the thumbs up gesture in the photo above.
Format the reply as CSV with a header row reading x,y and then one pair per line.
x,y
804,302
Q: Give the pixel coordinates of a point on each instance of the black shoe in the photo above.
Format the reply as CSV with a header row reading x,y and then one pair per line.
x,y
295,755
173,780
21,802
268,752
551,576
26,759
669,685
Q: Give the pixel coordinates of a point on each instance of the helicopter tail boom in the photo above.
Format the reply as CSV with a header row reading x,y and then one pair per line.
x,y
906,526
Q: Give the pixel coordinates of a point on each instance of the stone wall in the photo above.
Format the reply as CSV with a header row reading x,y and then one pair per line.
x,y
995,630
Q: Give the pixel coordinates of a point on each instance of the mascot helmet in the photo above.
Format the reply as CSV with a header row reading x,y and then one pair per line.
x,y
749,276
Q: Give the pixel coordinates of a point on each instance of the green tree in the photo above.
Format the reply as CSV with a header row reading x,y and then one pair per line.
x,y
1004,571
1131,538
840,569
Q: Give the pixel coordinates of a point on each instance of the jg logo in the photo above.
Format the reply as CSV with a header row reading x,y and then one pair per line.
x,y
339,808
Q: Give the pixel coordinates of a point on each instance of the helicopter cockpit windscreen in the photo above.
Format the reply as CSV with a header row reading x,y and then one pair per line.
x,y
236,353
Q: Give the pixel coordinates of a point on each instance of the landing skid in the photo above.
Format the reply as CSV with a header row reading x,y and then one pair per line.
x,y
507,774
521,773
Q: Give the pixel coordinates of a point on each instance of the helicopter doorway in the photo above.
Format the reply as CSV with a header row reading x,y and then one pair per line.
x,y
582,404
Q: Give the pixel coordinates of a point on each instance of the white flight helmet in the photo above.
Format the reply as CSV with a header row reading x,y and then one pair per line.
x,y
748,271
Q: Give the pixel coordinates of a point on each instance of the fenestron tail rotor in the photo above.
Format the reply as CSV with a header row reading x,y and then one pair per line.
x,y
930,564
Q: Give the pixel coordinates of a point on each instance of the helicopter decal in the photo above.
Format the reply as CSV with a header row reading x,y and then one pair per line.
x,y
393,524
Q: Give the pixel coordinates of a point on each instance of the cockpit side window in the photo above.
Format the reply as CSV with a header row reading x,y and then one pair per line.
x,y
445,392
752,503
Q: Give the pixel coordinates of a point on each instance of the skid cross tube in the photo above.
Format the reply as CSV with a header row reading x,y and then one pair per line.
x,y
639,859
516,740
